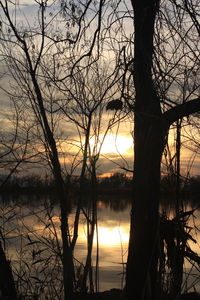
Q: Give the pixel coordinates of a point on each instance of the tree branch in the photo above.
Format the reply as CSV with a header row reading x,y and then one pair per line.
x,y
180,111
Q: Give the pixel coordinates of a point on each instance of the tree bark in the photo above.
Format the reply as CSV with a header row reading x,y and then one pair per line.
x,y
149,137
141,273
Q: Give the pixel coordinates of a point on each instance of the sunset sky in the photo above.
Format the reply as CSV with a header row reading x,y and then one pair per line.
x,y
117,149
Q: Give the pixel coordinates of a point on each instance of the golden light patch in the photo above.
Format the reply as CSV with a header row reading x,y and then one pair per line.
x,y
114,144
112,236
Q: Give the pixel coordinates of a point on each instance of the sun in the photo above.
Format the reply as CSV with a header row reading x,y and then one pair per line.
x,y
115,144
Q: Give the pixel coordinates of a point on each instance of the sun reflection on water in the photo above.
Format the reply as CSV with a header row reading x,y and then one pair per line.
x,y
112,236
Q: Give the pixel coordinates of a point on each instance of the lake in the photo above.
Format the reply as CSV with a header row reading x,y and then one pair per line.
x,y
31,225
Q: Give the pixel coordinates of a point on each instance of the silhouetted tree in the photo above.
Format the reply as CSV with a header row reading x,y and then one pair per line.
x,y
151,129
165,37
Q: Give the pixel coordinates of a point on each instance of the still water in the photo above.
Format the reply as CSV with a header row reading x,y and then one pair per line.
x,y
29,223
113,235
31,230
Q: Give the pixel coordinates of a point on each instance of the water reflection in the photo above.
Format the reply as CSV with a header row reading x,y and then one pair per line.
x,y
29,221
113,236
29,218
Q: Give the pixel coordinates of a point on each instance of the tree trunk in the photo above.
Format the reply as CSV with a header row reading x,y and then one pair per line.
x,y
67,257
91,224
7,284
62,193
141,275
150,131
177,270
149,137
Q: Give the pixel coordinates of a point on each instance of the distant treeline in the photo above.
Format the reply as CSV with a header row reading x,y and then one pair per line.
x,y
116,183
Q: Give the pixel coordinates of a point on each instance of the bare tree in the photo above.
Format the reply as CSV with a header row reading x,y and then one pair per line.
x,y
165,40
151,129
41,65
88,92
26,64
